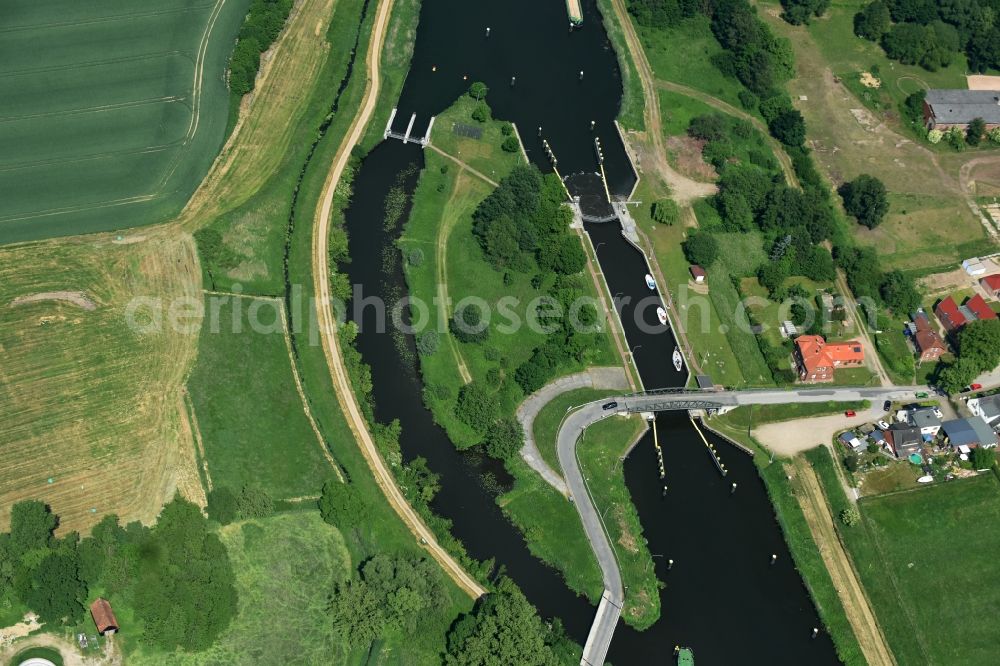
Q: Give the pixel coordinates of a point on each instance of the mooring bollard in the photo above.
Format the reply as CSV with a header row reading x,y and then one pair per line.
x,y
774,558
581,75
815,632
670,564
513,79
733,489
487,32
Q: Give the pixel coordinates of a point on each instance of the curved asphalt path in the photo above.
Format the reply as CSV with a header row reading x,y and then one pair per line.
x,y
572,428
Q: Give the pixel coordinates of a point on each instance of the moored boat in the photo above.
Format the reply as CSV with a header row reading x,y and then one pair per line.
x,y
650,282
678,359
662,315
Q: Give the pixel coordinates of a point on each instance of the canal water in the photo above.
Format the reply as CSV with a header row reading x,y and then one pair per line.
x,y
722,597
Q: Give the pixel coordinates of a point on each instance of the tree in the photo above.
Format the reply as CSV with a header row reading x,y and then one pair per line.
x,y
511,145
223,505
55,590
31,526
865,198
664,211
185,595
979,345
851,462
701,248
850,516
873,21
428,342
708,127
467,324
477,407
481,113
341,505
974,135
899,293
478,91
789,128
503,629
254,502
983,458
505,439
954,377
388,598
799,12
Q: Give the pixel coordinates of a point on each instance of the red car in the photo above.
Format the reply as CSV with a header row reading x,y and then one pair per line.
x,y
976,387
850,412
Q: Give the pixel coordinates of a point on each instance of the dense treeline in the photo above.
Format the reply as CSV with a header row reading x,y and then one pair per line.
x,y
262,26
505,629
930,33
176,576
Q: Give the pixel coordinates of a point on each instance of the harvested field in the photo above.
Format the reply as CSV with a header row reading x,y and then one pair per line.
x,y
86,401
113,111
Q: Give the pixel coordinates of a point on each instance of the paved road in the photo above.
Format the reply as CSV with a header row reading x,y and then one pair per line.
x,y
573,426
612,378
606,620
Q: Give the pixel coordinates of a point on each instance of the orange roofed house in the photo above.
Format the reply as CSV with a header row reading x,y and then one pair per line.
x,y
817,359
103,616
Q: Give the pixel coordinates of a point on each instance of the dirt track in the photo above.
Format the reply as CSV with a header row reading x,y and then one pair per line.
x,y
845,578
327,323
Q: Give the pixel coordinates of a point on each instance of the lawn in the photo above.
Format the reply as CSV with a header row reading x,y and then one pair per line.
x,y
630,117
684,54
252,421
741,418
923,556
481,154
929,224
113,114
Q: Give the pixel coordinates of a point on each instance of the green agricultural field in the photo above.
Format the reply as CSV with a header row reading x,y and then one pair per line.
x,y
252,420
113,111
926,559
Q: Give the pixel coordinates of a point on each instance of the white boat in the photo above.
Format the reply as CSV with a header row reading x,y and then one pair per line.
x,y
662,314
925,479
678,359
650,282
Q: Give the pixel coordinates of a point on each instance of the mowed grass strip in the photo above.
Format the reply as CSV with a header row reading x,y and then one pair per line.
x,y
253,422
117,111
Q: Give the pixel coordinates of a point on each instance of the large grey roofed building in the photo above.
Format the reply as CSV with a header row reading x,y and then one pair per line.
x,y
969,432
957,108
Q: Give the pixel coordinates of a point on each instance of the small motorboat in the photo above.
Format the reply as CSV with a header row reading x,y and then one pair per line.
x,y
662,315
678,359
650,282
685,656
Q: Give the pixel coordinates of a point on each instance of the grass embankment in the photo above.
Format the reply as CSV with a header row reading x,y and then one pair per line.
x,y
600,451
253,423
929,226
924,556
452,264
384,531
783,492
630,115
133,116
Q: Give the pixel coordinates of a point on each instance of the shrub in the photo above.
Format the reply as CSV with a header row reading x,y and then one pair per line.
x,y
415,257
510,144
477,407
467,324
505,439
850,516
428,342
664,211
974,135
935,135
506,129
481,113
982,458
222,505
478,90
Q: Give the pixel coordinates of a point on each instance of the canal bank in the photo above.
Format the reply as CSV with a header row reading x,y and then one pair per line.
x,y
727,593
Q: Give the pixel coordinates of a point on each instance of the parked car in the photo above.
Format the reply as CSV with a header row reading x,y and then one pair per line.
x,y
976,387
609,405
850,412
882,425
887,405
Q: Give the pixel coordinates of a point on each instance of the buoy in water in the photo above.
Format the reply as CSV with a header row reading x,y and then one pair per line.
x,y
434,68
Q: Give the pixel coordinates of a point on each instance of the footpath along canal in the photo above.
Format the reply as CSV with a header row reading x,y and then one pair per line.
x,y
722,597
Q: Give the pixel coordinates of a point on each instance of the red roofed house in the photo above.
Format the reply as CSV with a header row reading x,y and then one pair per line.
x,y
949,314
929,344
103,616
698,273
991,283
816,358
979,308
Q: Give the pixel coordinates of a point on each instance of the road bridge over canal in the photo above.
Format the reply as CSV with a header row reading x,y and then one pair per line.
x,y
601,631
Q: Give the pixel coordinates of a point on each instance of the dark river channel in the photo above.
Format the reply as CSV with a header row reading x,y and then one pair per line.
x,y
722,597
